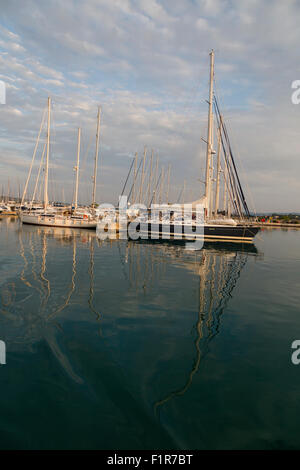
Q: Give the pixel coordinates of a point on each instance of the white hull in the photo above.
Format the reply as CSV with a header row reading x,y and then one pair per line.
x,y
57,221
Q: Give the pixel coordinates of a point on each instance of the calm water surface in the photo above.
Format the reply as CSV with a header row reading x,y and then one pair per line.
x,y
126,345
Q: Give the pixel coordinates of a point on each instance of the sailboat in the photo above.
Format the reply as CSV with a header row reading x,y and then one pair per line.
x,y
232,224
49,216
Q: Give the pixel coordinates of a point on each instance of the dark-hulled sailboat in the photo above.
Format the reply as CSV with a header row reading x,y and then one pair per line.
x,y
232,222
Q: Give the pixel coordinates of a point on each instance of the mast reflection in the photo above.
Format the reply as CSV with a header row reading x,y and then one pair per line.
x,y
218,268
32,312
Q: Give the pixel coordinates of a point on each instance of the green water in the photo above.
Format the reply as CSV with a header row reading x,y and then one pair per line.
x,y
123,345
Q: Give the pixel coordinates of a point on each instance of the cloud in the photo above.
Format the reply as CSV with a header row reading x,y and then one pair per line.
x,y
12,46
146,63
80,46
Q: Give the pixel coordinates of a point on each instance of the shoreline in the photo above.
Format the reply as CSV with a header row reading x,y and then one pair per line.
x,y
269,224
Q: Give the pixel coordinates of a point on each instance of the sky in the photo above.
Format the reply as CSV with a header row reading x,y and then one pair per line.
x,y
146,62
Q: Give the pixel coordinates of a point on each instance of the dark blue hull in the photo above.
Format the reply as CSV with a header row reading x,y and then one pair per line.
x,y
222,233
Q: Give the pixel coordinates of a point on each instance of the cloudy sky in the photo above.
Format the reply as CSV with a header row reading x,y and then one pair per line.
x,y
146,63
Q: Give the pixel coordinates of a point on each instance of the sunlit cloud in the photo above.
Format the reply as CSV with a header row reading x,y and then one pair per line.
x,y
146,63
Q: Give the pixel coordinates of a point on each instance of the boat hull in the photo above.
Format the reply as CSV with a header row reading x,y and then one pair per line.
x,y
57,222
221,233
10,213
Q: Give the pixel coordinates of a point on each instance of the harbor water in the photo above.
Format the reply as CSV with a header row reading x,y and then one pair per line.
x,y
135,345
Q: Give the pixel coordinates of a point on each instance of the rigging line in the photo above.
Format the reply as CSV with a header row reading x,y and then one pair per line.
x,y
84,160
238,181
33,265
180,194
232,178
232,191
147,170
127,176
234,167
143,174
72,285
33,157
136,177
45,281
154,192
244,174
22,253
123,264
51,184
38,176
233,162
148,192
91,290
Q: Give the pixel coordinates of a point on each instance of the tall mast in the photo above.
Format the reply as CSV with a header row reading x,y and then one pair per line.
x,y
46,201
155,180
161,186
218,168
134,178
96,158
33,158
225,186
168,184
150,180
77,170
142,176
38,176
183,192
229,207
133,196
209,136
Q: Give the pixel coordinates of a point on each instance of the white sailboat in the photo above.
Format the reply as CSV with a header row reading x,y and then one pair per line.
x,y
49,216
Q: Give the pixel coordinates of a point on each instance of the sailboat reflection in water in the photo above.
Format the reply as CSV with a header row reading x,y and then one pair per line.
x,y
218,271
100,311
33,305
